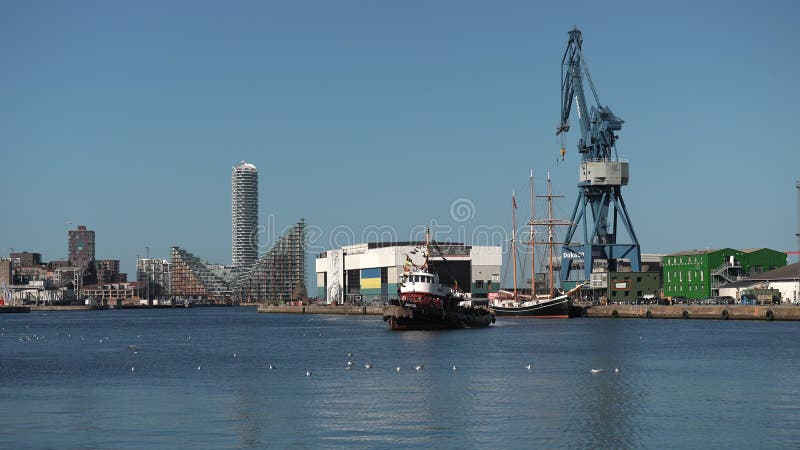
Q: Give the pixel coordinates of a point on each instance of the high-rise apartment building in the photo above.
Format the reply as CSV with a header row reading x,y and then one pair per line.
x,y
81,254
244,216
81,247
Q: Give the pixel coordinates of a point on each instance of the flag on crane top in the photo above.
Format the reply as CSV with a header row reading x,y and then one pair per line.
x,y
514,199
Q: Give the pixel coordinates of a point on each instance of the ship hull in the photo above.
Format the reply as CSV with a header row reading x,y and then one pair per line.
x,y
556,309
408,318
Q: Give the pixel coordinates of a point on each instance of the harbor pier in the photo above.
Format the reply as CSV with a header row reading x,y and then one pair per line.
x,y
350,310
717,312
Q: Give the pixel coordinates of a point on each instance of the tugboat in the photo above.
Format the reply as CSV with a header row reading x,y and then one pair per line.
x,y
516,304
426,304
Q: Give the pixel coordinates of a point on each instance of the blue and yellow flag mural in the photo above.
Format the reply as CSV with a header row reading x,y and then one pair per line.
x,y
371,278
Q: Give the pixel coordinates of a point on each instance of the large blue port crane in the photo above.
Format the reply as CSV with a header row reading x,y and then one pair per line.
x,y
599,209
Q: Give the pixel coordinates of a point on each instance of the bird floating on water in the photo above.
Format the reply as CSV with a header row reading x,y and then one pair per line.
x,y
271,367
234,355
420,367
368,365
617,370
308,373
349,363
595,370
397,369
198,367
529,366
349,354
133,369
455,368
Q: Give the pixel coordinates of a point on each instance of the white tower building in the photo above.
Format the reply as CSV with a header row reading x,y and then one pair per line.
x,y
244,215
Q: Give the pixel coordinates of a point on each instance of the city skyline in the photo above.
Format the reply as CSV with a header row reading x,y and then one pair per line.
x,y
132,138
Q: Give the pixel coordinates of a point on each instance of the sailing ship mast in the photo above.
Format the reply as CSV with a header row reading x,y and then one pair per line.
x,y
533,239
550,231
514,238
550,223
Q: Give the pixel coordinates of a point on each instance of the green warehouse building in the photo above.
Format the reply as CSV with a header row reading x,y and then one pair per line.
x,y
699,273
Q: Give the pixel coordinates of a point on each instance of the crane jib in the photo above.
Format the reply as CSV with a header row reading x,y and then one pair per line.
x,y
577,107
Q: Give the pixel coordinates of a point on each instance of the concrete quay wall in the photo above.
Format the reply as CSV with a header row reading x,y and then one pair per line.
x,y
66,308
319,309
714,312
14,309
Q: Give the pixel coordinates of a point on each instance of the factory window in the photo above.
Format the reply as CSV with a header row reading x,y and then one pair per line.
x,y
638,279
689,275
701,275
478,284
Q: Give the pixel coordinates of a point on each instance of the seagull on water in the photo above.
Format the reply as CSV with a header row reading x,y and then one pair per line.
x,y
308,373
397,369
348,367
349,354
271,367
234,355
198,367
420,366
529,366
455,368
349,363
133,369
617,370
368,365
595,370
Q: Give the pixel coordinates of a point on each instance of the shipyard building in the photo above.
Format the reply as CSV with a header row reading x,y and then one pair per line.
x,y
699,274
371,272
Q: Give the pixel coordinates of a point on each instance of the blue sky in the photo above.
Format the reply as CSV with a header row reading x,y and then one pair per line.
x,y
127,116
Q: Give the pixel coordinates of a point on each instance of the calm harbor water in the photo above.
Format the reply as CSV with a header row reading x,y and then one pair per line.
x,y
201,380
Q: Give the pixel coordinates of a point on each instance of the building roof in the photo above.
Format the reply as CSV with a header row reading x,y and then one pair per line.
x,y
788,272
244,165
741,283
695,252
